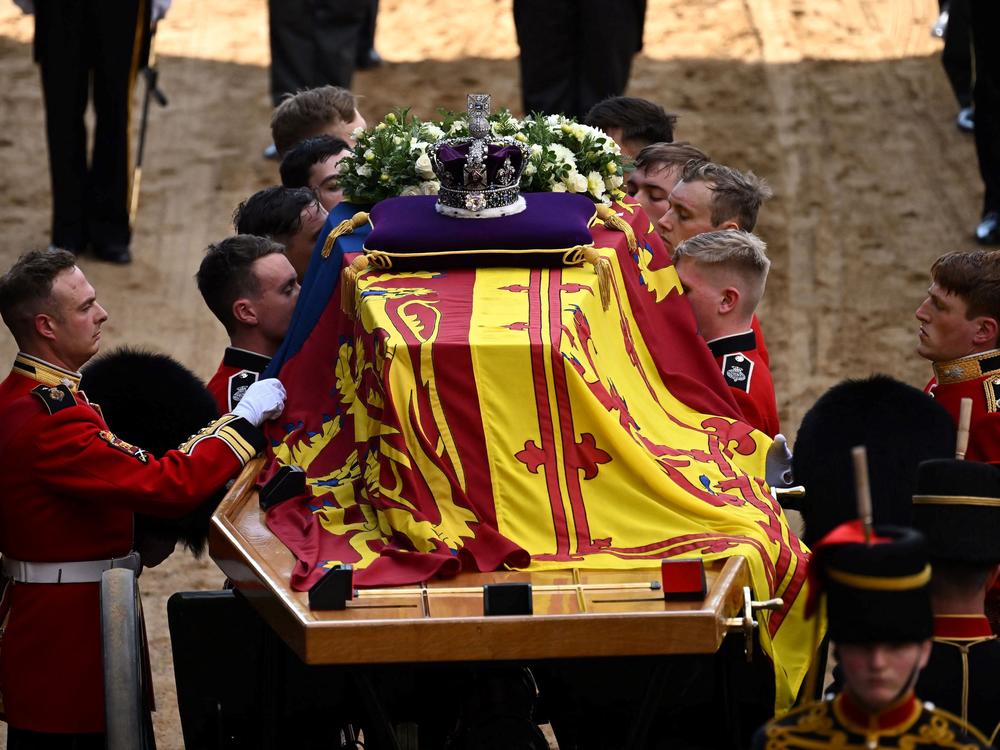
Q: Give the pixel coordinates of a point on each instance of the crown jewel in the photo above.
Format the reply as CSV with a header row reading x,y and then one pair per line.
x,y
479,175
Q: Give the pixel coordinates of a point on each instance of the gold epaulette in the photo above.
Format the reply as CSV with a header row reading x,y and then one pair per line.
x,y
967,368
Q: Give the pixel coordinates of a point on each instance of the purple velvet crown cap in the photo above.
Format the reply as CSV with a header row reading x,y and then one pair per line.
x,y
452,159
410,224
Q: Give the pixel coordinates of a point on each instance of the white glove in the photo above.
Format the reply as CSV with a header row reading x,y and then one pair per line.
x,y
778,464
27,6
265,399
160,8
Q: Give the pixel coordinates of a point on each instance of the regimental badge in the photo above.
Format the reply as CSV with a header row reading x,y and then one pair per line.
x,y
55,397
992,387
116,442
238,385
737,369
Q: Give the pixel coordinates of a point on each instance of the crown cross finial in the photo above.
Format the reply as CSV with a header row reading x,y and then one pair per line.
x,y
478,107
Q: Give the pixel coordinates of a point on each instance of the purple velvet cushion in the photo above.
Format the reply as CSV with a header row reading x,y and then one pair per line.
x,y
410,224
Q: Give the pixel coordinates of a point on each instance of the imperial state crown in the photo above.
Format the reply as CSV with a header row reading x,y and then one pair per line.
x,y
480,175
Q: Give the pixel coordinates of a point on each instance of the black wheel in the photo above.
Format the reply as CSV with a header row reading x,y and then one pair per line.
x,y
127,720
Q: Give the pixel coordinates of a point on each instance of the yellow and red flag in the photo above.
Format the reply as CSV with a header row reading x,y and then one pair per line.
x,y
477,419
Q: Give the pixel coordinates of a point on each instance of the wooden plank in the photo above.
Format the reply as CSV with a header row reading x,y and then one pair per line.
x,y
419,624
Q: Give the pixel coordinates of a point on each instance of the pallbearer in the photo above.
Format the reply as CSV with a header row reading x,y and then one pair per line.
x,y
957,507
879,610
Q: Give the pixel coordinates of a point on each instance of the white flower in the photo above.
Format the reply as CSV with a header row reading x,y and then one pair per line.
x,y
563,155
364,171
557,187
357,133
535,149
410,190
429,187
529,169
432,131
614,182
575,182
456,127
595,185
369,155
423,167
397,139
420,146
554,120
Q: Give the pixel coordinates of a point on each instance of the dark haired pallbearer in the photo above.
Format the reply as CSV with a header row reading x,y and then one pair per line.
x,y
957,507
250,286
292,217
632,123
878,604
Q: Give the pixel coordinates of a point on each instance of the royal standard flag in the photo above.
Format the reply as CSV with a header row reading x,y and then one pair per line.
x,y
486,418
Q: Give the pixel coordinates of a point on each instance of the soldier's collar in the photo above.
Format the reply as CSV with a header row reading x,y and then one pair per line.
x,y
45,373
967,368
738,342
895,719
244,359
962,627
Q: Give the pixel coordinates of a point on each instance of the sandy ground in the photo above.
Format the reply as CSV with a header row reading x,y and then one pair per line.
x,y
841,104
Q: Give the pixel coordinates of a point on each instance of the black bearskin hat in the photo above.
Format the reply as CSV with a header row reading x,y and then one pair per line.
x,y
154,402
899,426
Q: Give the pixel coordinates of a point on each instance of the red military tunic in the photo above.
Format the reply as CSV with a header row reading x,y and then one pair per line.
x,y
748,376
977,377
68,489
238,371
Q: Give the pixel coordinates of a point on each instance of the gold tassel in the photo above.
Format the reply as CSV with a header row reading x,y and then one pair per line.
x,y
613,220
602,266
345,227
349,284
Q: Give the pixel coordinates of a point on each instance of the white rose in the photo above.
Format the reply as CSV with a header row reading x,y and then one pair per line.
x,y
423,167
419,146
369,155
536,150
529,169
396,139
553,120
456,127
558,187
429,187
614,181
410,190
357,133
576,182
364,171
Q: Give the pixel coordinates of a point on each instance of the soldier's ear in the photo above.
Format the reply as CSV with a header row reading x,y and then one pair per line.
x,y
244,312
729,300
45,325
987,330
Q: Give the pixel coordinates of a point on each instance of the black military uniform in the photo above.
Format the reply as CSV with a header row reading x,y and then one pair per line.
x,y
877,593
574,53
957,507
79,44
986,96
314,43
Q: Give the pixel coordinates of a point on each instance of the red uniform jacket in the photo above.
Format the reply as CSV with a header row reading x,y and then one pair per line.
x,y
977,377
68,489
238,371
748,376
